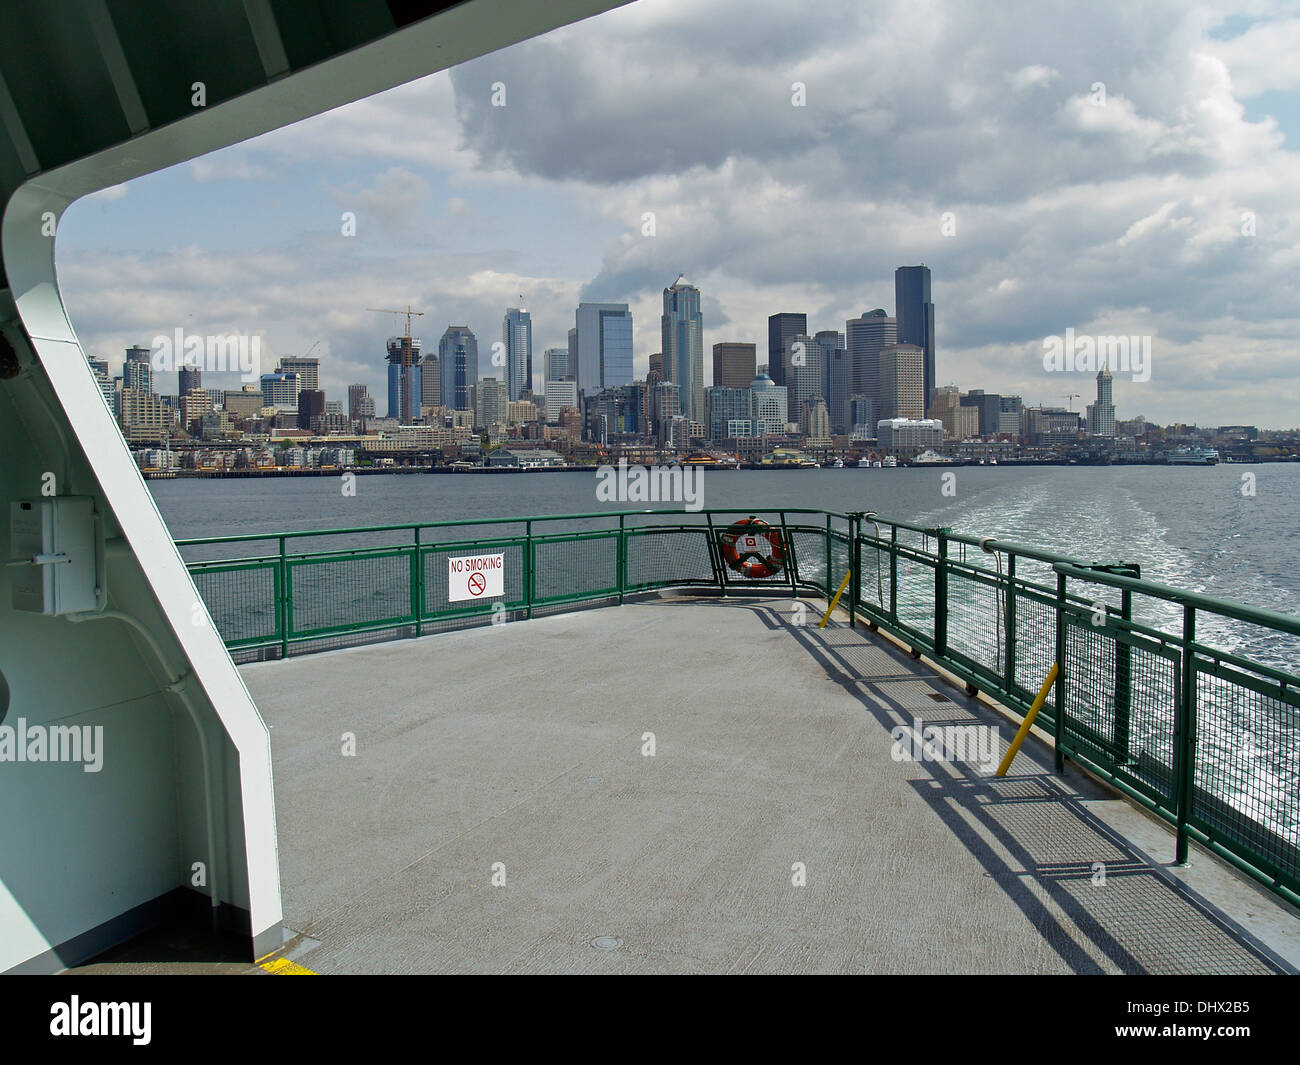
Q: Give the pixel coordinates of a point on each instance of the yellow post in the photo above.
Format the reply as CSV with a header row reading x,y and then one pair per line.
x,y
843,584
1029,720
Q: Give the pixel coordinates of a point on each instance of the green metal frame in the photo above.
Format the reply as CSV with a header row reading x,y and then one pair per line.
x,y
1001,655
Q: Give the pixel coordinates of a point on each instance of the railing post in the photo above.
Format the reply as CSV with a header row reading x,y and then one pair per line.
x,y
855,567
530,568
893,574
1009,620
621,564
286,602
1123,679
1185,734
829,582
941,594
417,584
1060,673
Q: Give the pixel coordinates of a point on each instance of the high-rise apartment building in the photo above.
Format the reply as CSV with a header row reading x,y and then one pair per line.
x,y
781,328
137,371
280,390
517,335
735,365
682,328
188,379
600,346
915,315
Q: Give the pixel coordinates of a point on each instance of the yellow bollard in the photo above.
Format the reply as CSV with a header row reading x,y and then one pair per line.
x,y
1029,720
843,584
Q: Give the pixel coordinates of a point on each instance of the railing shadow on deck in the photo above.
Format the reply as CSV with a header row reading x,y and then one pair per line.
x,y
1140,919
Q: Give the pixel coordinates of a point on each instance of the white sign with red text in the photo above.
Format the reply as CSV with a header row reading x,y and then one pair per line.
x,y
475,577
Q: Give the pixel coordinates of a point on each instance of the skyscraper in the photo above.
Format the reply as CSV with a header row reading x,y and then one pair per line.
x,y
734,365
457,366
430,380
360,403
915,314
902,378
682,326
600,346
137,371
781,329
517,334
404,392
188,379
865,337
804,374
306,367
557,364
1101,415
835,363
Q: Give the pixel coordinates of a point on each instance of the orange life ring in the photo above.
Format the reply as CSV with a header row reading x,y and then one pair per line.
x,y
753,548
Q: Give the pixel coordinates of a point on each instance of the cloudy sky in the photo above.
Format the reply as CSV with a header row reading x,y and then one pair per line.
x,y
1120,169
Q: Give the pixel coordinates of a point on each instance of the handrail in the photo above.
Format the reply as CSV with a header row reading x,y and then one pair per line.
x,y
1225,607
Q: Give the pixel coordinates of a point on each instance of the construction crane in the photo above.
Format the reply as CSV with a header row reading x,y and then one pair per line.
x,y
311,349
1070,397
408,312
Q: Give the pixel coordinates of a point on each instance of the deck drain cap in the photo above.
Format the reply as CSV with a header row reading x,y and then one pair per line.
x,y
607,942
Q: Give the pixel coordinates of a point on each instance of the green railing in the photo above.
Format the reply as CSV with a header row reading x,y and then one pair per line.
x,y
1184,702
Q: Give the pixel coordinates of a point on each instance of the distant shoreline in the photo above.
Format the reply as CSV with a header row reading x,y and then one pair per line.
x,y
410,471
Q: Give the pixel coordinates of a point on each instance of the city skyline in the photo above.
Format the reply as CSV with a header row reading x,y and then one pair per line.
x,y
1155,207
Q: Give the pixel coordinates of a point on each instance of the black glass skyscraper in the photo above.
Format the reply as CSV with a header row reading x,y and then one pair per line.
x,y
915,314
781,329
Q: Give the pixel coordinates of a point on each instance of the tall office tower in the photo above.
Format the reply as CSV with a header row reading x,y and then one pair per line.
x,y
404,392
311,406
457,366
489,403
188,379
1101,420
959,422
560,393
360,403
989,405
280,390
734,365
915,314
682,326
804,373
307,368
835,366
430,381
557,364
730,411
864,338
770,413
517,334
665,405
780,329
137,371
902,382
600,346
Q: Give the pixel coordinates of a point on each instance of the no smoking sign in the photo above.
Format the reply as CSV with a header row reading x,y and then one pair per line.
x,y
475,577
